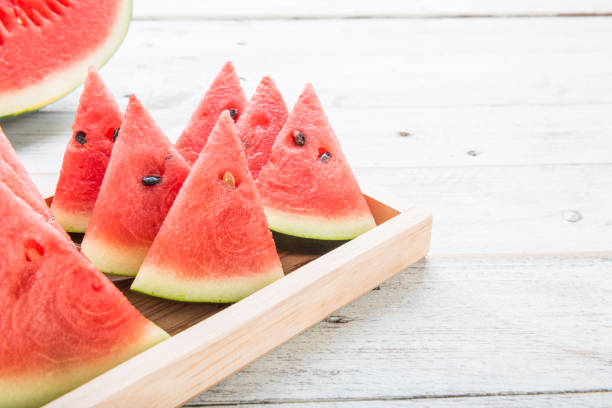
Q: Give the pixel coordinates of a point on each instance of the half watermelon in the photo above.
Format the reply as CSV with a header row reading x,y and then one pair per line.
x,y
215,245
144,176
260,122
46,47
95,128
308,189
62,321
225,93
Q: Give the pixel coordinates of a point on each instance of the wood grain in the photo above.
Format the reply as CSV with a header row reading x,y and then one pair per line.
x,y
449,326
563,400
215,348
275,9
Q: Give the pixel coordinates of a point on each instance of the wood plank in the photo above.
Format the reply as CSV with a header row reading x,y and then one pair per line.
x,y
245,9
565,400
416,63
433,136
498,209
450,326
217,347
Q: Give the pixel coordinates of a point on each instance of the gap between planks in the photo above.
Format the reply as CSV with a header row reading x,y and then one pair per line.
x,y
432,398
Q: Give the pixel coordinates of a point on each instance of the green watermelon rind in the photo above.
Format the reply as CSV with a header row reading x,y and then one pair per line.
x,y
318,228
112,259
71,221
76,75
166,284
36,390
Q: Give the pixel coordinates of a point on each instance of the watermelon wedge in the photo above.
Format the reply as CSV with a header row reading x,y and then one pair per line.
x,y
46,47
215,245
307,188
144,175
16,178
225,93
94,131
62,321
260,122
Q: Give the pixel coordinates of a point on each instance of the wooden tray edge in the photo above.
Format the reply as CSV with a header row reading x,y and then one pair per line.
x,y
195,360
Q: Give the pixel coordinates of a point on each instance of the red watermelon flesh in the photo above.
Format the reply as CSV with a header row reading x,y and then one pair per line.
x,y
46,47
144,176
260,122
16,178
225,93
8,154
230,252
308,189
97,119
62,321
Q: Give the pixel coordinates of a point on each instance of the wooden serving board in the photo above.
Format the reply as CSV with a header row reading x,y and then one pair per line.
x,y
211,342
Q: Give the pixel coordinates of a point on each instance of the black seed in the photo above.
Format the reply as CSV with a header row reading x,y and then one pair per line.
x,y
298,138
325,157
115,134
233,114
151,180
80,137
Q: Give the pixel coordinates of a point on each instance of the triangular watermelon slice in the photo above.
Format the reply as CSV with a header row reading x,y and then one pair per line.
x,y
144,176
15,176
62,321
225,93
94,130
260,122
308,189
8,155
215,245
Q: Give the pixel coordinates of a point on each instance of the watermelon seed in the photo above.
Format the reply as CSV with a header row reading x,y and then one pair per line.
x,y
298,138
80,137
233,113
325,157
229,180
151,180
33,250
115,134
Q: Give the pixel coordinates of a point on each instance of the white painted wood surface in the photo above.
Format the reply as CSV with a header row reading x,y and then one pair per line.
x,y
507,139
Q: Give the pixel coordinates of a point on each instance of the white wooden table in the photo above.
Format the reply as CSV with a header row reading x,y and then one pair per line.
x,y
495,115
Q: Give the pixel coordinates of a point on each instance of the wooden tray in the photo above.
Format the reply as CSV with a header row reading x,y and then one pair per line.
x,y
211,342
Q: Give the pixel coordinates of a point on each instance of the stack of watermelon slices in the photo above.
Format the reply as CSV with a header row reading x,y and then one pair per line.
x,y
203,233
198,222
62,321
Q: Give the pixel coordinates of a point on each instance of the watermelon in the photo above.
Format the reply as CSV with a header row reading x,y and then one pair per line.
x,y
144,176
260,122
224,93
215,245
307,188
15,177
94,131
62,321
46,47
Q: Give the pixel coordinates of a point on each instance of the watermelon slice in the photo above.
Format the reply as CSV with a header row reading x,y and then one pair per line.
x,y
224,93
46,47
62,321
94,131
308,189
16,178
215,245
260,122
144,175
